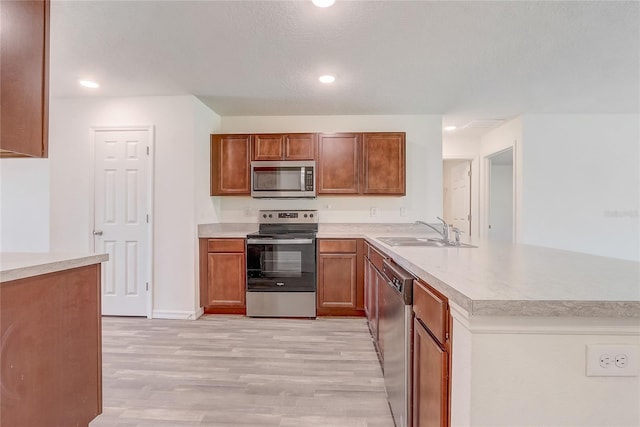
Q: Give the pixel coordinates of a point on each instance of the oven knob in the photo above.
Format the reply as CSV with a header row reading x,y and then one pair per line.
x,y
305,215
270,215
311,215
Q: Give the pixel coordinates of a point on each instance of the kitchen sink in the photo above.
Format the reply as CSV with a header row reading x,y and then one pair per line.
x,y
421,241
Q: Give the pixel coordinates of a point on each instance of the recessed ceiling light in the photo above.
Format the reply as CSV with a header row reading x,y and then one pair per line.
x,y
90,84
327,79
450,128
323,3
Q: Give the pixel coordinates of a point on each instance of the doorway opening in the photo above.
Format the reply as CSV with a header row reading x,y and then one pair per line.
x,y
456,193
500,191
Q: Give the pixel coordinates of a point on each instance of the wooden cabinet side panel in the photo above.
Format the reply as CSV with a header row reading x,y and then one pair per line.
x,y
430,380
267,147
203,275
360,274
300,146
230,165
338,164
51,337
24,53
337,282
226,279
384,163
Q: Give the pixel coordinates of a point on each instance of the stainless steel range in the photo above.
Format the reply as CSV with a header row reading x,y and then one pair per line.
x,y
281,264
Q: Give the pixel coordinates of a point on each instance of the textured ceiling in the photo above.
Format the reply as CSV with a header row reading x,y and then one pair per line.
x,y
465,60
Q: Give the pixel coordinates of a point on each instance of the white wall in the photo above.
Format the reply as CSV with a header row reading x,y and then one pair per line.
x,y
581,183
531,371
182,125
24,205
424,169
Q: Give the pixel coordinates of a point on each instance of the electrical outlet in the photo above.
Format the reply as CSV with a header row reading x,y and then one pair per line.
x,y
612,360
403,211
247,211
373,212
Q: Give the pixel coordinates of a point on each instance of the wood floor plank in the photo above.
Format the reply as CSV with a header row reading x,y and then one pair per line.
x,y
239,371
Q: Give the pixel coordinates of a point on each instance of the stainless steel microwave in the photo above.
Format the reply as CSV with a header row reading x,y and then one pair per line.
x,y
283,179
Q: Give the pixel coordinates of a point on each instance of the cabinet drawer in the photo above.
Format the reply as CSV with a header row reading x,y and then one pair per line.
x,y
225,245
347,246
375,257
431,309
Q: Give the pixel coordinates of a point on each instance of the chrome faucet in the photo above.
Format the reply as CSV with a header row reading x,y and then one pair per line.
x,y
445,228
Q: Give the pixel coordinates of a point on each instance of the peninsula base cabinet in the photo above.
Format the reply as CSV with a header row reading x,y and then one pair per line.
x,y
340,290
51,349
222,276
431,353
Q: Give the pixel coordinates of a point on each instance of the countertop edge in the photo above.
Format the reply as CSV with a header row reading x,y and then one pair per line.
x,y
512,308
40,268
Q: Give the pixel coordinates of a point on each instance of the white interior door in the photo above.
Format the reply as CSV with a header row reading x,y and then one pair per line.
x,y
461,197
121,219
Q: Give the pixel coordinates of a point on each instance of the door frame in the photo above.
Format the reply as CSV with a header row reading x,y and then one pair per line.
x,y
474,209
150,202
486,160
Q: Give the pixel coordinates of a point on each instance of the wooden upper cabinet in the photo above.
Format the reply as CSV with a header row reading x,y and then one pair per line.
x,y
338,163
230,165
295,146
383,161
24,81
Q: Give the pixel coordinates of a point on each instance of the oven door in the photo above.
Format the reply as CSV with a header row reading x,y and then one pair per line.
x,y
281,264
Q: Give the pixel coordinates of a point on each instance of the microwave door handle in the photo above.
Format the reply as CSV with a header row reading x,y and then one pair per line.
x,y
302,181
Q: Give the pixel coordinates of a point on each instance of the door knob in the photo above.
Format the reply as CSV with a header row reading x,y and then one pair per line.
x,y
97,232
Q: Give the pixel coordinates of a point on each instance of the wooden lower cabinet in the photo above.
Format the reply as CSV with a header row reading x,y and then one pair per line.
x,y
340,290
223,275
51,333
431,358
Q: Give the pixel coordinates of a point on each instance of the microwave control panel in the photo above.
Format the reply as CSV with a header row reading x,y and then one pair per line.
x,y
308,179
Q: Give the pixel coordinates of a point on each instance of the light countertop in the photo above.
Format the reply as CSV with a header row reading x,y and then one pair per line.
x,y
500,279
20,265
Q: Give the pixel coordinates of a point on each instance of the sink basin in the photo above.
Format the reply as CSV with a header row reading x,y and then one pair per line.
x,y
421,241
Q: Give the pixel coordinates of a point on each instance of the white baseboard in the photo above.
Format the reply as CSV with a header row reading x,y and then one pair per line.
x,y
177,314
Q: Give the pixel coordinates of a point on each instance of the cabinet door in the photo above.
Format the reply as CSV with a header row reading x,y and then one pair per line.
x,y
300,146
268,147
226,280
337,281
430,380
338,163
230,165
383,157
24,54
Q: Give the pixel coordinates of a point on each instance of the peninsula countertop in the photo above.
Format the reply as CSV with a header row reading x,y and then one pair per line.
x,y
20,265
499,279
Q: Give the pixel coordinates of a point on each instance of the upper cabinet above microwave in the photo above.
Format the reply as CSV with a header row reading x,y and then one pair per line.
x,y
24,81
292,146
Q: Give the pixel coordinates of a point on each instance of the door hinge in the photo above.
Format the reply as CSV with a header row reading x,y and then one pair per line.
x,y
468,173
469,217
147,286
147,218
147,150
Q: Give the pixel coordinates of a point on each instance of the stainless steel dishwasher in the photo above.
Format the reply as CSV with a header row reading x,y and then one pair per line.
x,y
397,329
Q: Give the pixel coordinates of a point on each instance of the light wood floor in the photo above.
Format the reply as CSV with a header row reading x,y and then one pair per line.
x,y
239,371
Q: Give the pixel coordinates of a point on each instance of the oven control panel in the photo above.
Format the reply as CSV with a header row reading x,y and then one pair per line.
x,y
288,217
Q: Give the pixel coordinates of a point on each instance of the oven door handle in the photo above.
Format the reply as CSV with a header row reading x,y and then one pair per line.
x,y
280,241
